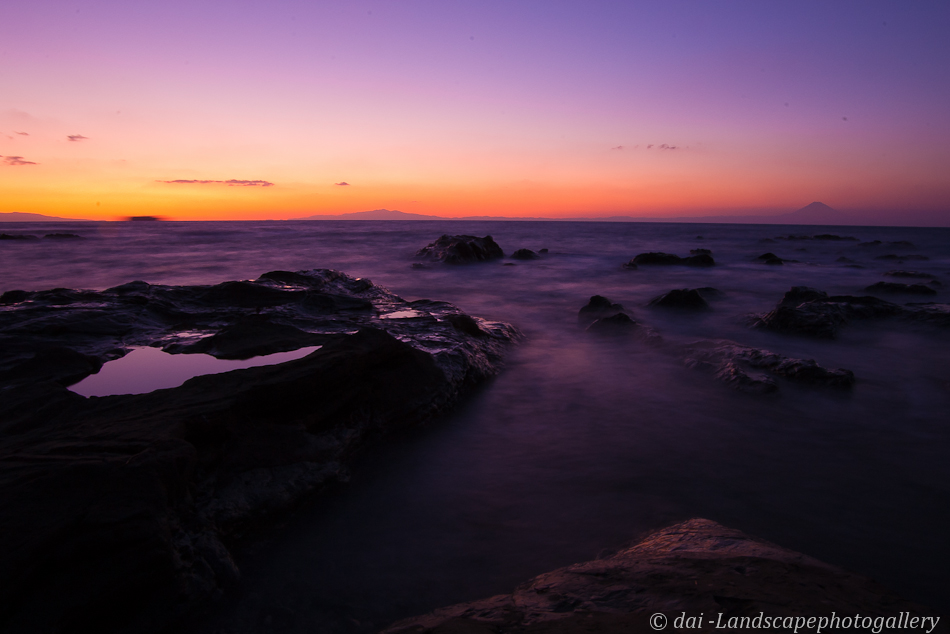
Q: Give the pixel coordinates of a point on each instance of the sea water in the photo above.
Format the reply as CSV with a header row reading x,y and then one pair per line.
x,y
581,445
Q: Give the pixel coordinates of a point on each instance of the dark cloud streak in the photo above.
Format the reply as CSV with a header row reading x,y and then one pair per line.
x,y
76,137
342,184
16,160
231,183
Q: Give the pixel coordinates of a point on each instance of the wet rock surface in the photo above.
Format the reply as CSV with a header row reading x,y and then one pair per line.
x,y
657,258
697,566
811,312
753,370
118,511
461,249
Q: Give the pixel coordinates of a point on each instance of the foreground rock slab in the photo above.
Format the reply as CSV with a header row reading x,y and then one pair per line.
x,y
697,566
117,512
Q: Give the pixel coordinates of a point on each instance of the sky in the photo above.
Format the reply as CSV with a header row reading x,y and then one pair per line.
x,y
252,110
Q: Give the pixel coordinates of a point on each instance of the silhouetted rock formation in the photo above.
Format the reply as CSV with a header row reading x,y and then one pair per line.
x,y
622,325
462,250
597,308
912,256
117,511
688,299
656,258
912,274
696,567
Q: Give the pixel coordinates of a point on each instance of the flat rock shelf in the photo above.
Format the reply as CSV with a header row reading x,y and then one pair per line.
x,y
117,512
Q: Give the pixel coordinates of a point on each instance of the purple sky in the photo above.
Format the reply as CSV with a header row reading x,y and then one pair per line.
x,y
458,107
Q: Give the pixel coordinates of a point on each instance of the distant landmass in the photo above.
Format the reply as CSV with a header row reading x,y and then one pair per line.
x,y
814,214
17,216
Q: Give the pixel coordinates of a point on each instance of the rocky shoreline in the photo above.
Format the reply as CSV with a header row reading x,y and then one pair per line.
x,y
118,511
697,567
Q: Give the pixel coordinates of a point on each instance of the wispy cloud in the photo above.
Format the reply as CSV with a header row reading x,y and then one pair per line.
x,y
232,182
342,184
619,147
76,137
21,133
668,147
16,160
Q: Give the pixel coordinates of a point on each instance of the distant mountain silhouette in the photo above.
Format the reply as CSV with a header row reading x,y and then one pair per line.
x,y
375,214
18,216
814,214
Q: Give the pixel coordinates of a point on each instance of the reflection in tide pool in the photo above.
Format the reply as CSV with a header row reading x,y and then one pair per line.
x,y
147,369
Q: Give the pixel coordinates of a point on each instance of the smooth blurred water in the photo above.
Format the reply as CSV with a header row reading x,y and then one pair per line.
x,y
580,445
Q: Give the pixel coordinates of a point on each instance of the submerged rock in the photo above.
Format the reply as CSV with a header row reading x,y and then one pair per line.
x,y
694,567
118,510
525,254
911,256
63,236
622,325
657,258
896,287
911,274
700,251
18,236
681,299
462,249
770,258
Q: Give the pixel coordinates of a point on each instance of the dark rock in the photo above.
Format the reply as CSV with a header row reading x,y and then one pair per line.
x,y
62,236
117,510
733,363
708,292
700,251
630,266
694,567
462,250
598,307
14,297
703,259
543,251
17,236
767,241
834,238
811,312
872,243
525,254
420,265
793,237
896,287
509,264
621,325
844,260
681,299
912,256
903,243
912,274
770,258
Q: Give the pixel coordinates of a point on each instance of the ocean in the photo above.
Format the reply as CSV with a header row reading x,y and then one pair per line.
x,y
581,444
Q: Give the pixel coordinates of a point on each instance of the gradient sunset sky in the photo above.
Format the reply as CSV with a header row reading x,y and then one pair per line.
x,y
111,109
